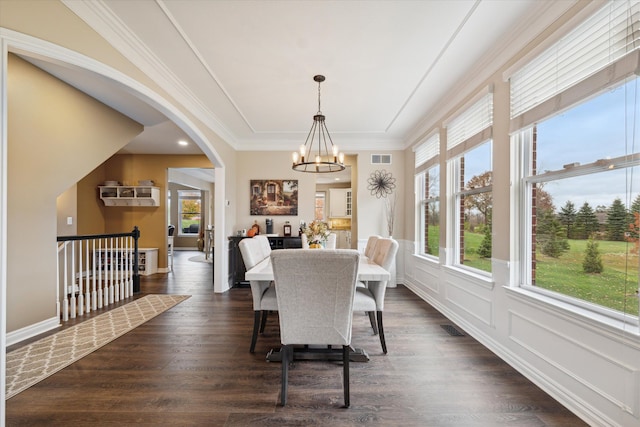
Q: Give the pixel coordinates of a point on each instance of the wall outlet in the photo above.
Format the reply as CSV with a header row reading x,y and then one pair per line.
x,y
69,220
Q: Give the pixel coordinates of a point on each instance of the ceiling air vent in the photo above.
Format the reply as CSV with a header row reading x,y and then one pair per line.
x,y
381,159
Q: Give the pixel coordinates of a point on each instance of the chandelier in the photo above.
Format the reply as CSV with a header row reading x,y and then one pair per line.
x,y
326,157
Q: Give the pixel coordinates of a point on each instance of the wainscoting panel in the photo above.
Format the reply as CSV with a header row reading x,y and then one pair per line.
x,y
596,369
463,297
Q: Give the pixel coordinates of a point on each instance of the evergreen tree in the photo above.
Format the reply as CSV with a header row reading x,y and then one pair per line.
x,y
484,250
567,217
617,221
550,235
592,262
586,222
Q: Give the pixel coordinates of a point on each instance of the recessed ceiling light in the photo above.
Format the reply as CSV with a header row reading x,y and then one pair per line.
x,y
337,179
183,142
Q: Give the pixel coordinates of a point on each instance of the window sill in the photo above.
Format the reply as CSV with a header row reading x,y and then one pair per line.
x,y
478,279
595,318
428,258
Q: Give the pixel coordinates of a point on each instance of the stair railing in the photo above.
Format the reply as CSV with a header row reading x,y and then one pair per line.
x,y
95,271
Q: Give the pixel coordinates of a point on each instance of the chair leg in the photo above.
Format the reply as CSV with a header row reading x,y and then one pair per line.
x,y
286,352
264,320
256,326
345,363
381,332
372,320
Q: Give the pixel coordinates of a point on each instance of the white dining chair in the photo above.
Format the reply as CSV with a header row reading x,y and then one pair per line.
x,y
316,291
371,245
265,246
262,291
331,241
370,299
305,241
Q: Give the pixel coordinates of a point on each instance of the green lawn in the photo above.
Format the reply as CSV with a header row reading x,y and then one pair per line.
x,y
615,287
471,259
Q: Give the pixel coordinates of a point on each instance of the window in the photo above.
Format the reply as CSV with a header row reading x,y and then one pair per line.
x,y
579,165
427,189
584,202
189,202
320,206
470,173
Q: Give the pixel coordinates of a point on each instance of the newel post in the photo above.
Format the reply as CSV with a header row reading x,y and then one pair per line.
x,y
136,277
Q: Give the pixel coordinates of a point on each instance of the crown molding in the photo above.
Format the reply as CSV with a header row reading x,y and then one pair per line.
x,y
97,15
539,20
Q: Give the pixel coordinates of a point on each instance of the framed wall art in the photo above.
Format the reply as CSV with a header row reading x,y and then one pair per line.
x,y
274,197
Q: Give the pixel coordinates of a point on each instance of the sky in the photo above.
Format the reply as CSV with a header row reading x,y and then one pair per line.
x,y
589,132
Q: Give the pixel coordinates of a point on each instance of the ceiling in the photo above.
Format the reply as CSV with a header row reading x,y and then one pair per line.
x,y
245,68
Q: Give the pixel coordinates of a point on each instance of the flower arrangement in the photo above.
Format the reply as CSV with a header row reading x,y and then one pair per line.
x,y
317,232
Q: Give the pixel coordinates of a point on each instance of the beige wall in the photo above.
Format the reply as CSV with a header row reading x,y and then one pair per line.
x,y
271,165
95,218
67,207
74,133
371,210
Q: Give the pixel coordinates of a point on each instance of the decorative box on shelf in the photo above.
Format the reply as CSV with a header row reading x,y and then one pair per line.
x,y
130,195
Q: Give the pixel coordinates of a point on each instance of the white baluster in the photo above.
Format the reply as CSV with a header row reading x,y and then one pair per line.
x,y
117,266
87,289
72,300
58,282
123,269
111,267
94,294
65,302
102,291
80,275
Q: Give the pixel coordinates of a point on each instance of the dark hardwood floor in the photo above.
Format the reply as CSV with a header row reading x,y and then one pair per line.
x,y
191,366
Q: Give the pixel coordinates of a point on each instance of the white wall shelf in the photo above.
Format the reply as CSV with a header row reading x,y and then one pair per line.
x,y
126,195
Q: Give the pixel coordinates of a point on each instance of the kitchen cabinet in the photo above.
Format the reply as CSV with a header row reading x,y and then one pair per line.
x,y
343,239
340,203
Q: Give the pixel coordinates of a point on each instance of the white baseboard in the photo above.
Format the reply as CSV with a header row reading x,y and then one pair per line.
x,y
32,330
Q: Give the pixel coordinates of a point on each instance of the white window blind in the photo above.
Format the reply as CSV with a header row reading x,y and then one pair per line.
x,y
428,150
470,127
601,40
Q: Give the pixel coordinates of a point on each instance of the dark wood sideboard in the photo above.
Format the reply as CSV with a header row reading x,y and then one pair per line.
x,y
236,265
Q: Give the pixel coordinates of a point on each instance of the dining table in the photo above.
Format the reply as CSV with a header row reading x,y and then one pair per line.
x,y
368,270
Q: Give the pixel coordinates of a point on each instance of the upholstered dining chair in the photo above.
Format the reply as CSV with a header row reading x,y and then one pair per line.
x,y
331,241
371,245
370,299
265,246
262,291
315,300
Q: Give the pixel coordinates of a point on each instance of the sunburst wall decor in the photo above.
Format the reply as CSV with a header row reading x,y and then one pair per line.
x,y
381,183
